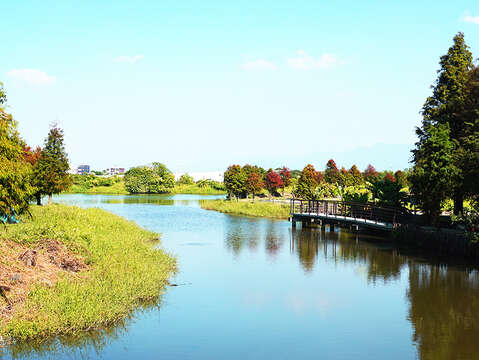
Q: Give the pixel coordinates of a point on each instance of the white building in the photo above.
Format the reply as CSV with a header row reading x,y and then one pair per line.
x,y
115,171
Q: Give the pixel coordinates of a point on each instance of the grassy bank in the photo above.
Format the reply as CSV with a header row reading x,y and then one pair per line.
x,y
122,271
248,208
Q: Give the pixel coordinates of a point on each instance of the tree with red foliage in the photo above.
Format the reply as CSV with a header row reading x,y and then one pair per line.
x,y
254,183
331,174
318,177
389,177
32,157
273,181
370,174
285,174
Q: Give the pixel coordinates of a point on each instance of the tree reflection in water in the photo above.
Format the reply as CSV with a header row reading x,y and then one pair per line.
x,y
444,311
443,298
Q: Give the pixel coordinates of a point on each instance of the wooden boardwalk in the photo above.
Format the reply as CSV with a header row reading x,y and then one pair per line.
x,y
341,213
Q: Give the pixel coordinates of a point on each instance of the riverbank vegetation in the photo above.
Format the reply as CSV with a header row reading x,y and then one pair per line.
x,y
115,185
248,208
91,268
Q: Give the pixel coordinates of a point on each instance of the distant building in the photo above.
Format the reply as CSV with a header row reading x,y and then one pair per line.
x,y
115,171
83,169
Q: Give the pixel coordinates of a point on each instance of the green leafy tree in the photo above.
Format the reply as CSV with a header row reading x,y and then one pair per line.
x,y
235,181
307,183
433,172
448,106
52,167
356,177
166,179
386,191
141,180
155,179
15,173
185,179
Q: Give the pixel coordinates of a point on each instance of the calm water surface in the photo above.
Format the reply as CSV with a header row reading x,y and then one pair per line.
x,y
257,289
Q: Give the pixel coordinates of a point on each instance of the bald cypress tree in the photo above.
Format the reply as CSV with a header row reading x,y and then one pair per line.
x,y
52,167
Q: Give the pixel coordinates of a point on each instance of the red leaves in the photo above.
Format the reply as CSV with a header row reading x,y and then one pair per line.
x,y
273,181
32,156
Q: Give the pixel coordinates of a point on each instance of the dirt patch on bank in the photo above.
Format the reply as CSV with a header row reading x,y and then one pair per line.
x,y
22,266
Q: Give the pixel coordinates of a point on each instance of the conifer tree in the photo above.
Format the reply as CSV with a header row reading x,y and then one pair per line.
x,y
331,174
448,106
52,167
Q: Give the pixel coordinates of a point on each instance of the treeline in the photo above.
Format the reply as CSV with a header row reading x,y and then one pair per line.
x,y
387,188
251,179
158,179
28,174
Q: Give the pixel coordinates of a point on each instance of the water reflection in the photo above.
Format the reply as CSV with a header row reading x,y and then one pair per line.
x,y
329,283
444,310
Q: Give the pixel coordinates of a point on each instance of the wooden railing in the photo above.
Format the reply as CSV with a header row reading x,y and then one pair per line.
x,y
357,211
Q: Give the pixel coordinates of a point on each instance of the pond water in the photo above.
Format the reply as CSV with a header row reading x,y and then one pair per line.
x,y
257,289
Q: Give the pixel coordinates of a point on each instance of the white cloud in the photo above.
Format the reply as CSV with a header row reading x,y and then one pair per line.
x,y
472,19
303,61
259,64
31,76
129,59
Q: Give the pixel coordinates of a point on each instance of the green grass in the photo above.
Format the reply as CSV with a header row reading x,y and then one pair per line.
x,y
195,189
125,271
114,189
248,208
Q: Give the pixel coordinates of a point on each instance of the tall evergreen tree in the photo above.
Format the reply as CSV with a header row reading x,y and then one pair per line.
x,y
448,106
52,167
434,170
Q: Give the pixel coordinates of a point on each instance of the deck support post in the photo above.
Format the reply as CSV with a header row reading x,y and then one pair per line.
x,y
331,227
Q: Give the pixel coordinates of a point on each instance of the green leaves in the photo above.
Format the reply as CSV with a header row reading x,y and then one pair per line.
x,y
15,187
149,180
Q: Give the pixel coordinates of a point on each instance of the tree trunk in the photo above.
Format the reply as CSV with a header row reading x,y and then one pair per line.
x,y
50,199
458,203
39,198
253,196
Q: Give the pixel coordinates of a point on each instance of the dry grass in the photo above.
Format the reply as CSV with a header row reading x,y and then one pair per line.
x,y
51,259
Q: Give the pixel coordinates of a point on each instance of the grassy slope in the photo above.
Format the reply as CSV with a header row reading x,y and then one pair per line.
x,y
258,208
124,272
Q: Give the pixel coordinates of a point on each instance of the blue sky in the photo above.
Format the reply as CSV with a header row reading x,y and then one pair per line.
x,y
199,85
